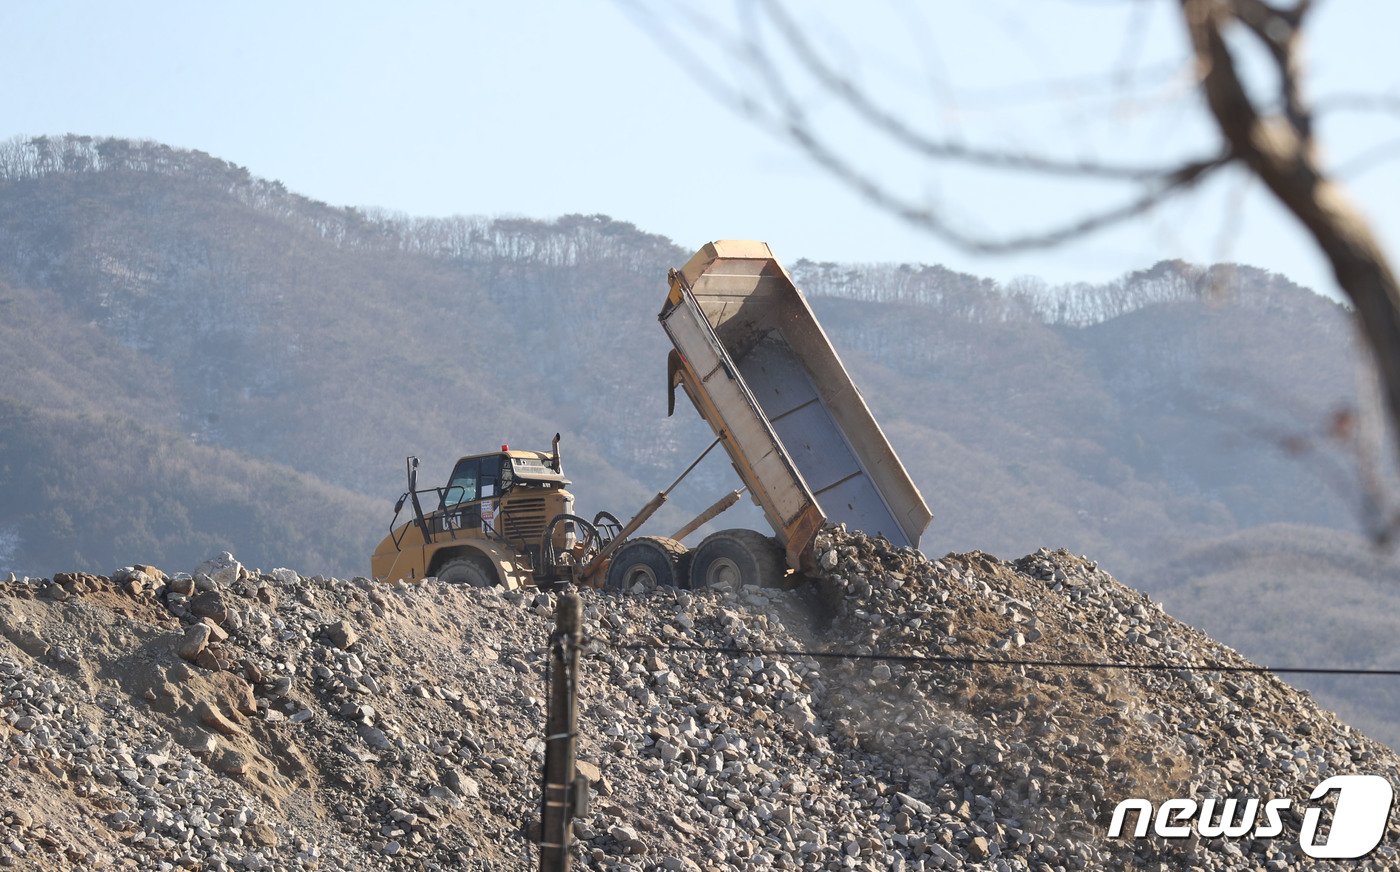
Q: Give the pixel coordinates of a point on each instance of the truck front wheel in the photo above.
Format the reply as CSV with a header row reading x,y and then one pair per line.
x,y
730,558
648,561
468,569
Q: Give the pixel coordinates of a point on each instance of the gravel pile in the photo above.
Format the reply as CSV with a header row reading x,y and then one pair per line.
x,y
237,719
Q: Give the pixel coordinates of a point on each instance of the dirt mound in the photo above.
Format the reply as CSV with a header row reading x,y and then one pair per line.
x,y
235,719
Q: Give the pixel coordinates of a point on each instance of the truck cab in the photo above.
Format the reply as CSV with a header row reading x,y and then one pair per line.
x,y
484,524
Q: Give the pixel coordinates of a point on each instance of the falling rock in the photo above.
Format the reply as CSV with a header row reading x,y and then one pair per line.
x,y
244,701
589,771
210,604
623,834
915,805
978,849
219,571
285,576
341,635
214,719
31,643
200,742
126,574
194,642
800,715
374,737
212,660
943,855
153,575
462,785
261,834
360,713
231,762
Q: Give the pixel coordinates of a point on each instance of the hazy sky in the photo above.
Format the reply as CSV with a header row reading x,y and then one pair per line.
x,y
547,108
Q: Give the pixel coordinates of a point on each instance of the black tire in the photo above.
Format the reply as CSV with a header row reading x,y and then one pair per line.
x,y
735,557
470,569
647,559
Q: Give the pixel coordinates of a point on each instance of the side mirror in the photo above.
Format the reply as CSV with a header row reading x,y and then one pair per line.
x,y
398,506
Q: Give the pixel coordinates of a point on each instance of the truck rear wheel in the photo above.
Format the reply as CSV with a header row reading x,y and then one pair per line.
x,y
649,561
469,569
730,558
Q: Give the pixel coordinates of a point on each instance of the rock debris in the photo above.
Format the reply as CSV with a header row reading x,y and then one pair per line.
x,y
234,719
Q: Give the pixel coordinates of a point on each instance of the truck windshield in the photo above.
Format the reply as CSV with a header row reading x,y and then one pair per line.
x,y
473,479
462,486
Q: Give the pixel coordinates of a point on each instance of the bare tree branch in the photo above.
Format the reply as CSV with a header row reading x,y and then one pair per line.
x,y
784,115
645,17
931,220
1053,88
1386,103
860,102
1280,155
1279,31
1159,186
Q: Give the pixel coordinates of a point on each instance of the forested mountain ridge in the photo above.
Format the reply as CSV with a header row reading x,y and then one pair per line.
x,y
165,305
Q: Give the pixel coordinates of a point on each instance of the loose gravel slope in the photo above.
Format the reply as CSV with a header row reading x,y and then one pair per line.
x,y
236,719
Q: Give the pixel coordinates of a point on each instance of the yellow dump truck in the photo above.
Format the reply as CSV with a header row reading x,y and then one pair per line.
x,y
756,365
487,525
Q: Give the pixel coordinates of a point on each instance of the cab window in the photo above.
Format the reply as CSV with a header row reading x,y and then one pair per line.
x,y
490,478
475,479
463,486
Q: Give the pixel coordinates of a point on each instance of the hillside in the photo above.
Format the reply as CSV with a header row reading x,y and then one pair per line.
x,y
1297,596
164,313
99,487
246,720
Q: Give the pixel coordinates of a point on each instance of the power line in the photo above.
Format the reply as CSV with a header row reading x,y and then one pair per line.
x,y
795,653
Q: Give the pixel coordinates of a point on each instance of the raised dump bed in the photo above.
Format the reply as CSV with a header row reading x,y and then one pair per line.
x,y
761,371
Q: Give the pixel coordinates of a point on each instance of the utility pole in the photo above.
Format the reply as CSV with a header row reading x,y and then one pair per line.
x,y
561,727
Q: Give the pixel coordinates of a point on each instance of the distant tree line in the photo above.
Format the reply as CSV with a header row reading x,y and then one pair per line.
x,y
566,241
573,240
1030,299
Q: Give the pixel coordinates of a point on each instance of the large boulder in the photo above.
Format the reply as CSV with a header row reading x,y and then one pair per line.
x,y
219,571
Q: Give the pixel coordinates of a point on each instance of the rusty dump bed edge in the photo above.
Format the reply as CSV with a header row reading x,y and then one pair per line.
x,y
762,372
